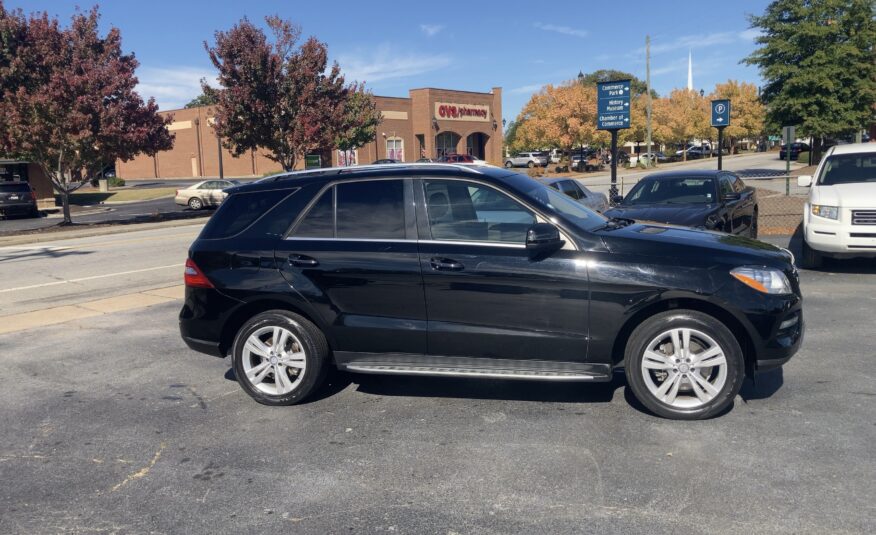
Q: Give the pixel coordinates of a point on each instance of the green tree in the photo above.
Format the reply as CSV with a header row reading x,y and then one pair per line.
x,y
637,86
361,119
207,98
511,135
818,61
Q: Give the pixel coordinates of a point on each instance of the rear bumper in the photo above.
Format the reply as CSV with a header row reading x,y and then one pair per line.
x,y
18,208
207,347
202,318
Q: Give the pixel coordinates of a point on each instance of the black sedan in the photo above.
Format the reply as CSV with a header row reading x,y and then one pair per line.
x,y
713,200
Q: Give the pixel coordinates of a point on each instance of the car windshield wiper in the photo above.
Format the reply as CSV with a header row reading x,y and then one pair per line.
x,y
616,223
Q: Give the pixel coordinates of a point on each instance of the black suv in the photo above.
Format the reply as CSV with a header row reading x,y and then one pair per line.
x,y
443,269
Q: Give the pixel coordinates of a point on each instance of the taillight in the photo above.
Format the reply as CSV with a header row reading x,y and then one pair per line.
x,y
193,276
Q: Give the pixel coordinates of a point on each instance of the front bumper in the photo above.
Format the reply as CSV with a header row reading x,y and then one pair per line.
x,y
839,238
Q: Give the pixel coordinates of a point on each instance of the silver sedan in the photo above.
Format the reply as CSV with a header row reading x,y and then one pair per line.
x,y
204,193
591,199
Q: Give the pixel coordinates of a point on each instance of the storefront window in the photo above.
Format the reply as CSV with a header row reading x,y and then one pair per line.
x,y
445,143
395,149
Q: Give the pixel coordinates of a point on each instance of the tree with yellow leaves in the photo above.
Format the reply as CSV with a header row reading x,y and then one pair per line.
x,y
746,110
559,116
683,117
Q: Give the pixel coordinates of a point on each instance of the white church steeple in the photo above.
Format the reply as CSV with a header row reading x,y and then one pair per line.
x,y
689,71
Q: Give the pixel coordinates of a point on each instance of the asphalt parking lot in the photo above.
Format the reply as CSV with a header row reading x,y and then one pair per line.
x,y
110,424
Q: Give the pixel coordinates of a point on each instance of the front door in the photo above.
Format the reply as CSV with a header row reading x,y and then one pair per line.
x,y
353,256
486,297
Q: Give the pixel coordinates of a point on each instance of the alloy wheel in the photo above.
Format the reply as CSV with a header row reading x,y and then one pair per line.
x,y
684,368
274,360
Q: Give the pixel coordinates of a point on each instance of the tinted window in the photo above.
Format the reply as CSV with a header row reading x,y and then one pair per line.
x,y
239,211
373,209
738,185
319,221
14,187
726,186
848,168
467,211
567,187
674,190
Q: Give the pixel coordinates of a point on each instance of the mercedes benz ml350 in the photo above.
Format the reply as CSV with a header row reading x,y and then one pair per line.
x,y
455,270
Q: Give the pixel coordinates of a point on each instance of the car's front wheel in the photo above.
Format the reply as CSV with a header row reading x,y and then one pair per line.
x,y
530,164
684,365
509,164
279,358
812,259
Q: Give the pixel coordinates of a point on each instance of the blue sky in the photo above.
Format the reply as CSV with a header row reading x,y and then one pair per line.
x,y
474,46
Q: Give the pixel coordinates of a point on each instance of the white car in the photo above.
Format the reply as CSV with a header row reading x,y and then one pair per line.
x,y
839,218
204,193
526,159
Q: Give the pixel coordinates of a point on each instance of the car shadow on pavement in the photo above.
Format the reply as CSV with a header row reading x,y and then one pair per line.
x,y
43,252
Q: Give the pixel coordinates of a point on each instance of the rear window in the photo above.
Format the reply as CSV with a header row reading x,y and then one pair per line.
x,y
240,210
14,187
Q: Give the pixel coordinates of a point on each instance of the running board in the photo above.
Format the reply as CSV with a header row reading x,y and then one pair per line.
x,y
473,367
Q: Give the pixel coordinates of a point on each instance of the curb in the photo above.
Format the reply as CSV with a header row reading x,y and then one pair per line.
x,y
90,232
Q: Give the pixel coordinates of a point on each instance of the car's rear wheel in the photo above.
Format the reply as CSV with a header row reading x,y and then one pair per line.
x,y
812,259
279,358
195,203
684,365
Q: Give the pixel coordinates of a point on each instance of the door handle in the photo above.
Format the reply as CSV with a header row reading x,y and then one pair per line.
x,y
446,264
301,260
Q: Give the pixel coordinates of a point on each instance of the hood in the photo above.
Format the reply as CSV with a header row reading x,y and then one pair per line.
x,y
855,195
679,242
689,215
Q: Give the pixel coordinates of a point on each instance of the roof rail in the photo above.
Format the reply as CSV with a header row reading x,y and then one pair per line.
x,y
475,168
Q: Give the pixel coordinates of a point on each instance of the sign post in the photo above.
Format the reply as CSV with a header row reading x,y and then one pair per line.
x,y
788,134
720,120
613,114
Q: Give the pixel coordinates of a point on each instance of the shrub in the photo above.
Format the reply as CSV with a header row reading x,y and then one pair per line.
x,y
535,172
115,182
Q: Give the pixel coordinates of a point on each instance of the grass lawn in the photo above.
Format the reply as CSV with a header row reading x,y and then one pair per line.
x,y
129,194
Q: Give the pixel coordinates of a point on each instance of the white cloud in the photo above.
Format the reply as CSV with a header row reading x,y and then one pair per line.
x,y
565,30
172,87
750,34
387,63
531,88
694,42
431,29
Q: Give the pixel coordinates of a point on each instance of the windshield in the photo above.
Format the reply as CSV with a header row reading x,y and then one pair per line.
x,y
545,197
848,169
673,190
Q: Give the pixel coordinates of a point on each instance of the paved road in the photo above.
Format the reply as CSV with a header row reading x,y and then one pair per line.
x,y
39,276
114,425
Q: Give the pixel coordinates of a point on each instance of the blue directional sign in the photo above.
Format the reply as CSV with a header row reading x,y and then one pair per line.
x,y
613,105
720,113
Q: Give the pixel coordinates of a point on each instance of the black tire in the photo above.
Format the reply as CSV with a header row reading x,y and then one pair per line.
x,y
530,165
195,203
509,164
659,323
812,259
315,348
753,228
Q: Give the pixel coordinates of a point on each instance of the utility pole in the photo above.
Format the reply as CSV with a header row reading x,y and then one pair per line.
x,y
648,82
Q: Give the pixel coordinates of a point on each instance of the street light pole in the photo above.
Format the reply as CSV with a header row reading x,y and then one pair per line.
x,y
648,109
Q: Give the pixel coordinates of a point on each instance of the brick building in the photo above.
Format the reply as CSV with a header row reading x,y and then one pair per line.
x,y
428,123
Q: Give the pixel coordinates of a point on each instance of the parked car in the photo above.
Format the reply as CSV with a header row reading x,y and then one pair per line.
x,y
839,218
312,270
204,193
383,161
713,200
17,198
658,157
595,201
585,160
694,153
796,149
460,158
426,160
526,159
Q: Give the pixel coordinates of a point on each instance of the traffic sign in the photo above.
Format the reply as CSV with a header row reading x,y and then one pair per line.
x,y
720,113
613,105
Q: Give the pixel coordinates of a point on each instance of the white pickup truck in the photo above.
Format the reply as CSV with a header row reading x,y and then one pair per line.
x,y
839,219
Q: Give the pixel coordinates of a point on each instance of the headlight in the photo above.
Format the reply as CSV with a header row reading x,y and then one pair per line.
x,y
764,280
829,212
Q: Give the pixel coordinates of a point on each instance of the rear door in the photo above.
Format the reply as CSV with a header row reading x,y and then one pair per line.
x,y
485,296
353,255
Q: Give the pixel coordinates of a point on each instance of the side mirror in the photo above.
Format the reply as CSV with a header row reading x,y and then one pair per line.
x,y
543,238
617,199
730,197
804,181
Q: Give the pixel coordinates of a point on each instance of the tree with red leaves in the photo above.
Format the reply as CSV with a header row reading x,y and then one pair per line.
x,y
68,101
276,95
